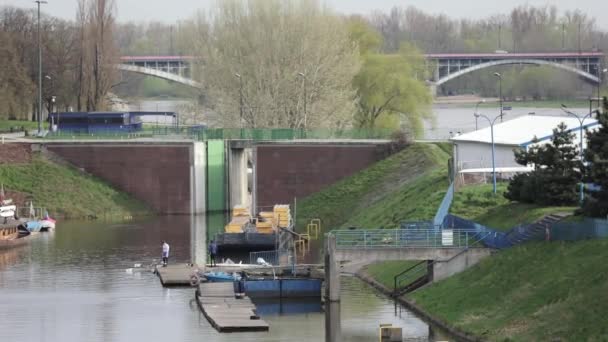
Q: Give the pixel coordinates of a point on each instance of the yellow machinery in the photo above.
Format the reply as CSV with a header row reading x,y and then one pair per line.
x,y
267,222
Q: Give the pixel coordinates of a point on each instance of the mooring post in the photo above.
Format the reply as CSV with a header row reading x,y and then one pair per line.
x,y
332,270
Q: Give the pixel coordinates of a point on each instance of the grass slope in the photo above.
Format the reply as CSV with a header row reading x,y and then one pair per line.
x,y
6,125
535,292
384,272
395,182
66,192
478,203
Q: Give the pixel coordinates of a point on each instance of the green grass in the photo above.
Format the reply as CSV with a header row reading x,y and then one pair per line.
x,y
417,200
5,125
479,204
536,292
383,194
66,192
384,272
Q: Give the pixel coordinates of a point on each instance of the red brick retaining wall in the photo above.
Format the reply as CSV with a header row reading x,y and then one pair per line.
x,y
158,175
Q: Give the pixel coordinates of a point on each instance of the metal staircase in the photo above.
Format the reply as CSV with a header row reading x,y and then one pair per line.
x,y
534,231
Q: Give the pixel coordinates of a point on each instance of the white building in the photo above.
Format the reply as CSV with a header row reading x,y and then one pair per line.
x,y
473,151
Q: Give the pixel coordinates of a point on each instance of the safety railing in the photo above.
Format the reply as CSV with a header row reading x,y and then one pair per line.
x,y
410,276
403,238
270,257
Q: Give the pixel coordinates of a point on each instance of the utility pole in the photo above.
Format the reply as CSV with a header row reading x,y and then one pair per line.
x,y
563,36
499,34
39,2
240,96
303,75
499,91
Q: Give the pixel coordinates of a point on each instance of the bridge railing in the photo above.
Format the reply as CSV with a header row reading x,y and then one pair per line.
x,y
292,133
404,238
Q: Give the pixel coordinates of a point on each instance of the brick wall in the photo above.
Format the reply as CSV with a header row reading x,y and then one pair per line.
x,y
288,171
158,175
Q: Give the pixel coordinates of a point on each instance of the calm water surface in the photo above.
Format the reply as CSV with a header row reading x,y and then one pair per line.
x,y
75,285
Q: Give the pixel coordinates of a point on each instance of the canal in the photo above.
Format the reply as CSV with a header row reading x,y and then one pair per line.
x,y
78,284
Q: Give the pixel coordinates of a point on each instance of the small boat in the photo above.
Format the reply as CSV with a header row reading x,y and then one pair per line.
x,y
47,223
221,277
10,237
31,226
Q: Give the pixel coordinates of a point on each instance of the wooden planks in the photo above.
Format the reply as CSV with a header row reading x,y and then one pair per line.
x,y
225,312
176,275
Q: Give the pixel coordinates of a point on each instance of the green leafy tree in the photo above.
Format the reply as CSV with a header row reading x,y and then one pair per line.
x,y
596,201
555,175
392,86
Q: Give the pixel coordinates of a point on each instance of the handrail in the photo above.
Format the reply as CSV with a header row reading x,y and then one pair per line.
x,y
404,272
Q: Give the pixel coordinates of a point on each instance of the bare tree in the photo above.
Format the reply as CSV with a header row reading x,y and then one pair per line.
x,y
280,64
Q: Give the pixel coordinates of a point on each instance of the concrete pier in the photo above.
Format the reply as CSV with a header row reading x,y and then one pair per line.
x,y
225,312
176,275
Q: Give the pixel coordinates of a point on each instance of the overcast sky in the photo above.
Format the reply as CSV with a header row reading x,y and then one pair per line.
x,y
173,10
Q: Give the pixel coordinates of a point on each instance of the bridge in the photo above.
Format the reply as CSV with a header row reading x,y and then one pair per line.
x,y
172,68
447,251
444,66
448,66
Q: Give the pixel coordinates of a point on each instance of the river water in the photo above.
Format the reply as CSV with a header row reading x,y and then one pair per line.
x,y
76,284
448,119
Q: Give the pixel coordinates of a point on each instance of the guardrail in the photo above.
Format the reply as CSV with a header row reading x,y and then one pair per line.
x,y
404,238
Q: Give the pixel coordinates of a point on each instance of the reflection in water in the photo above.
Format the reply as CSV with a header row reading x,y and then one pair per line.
x,y
79,284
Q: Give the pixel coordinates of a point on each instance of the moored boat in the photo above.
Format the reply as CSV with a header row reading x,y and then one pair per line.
x,y
10,237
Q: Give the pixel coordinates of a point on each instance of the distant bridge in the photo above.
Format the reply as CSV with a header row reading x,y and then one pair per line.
x,y
173,68
445,66
448,66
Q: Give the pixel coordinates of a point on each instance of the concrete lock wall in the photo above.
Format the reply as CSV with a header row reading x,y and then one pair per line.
x,y
284,171
442,269
156,173
237,174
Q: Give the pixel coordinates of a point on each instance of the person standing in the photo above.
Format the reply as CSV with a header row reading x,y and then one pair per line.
x,y
165,253
213,252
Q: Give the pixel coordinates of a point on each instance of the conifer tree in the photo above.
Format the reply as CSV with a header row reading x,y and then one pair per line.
x,y
555,175
596,155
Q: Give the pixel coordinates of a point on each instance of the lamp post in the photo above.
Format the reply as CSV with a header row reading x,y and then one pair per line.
x,y
475,114
497,74
580,149
39,2
240,96
599,99
491,122
303,75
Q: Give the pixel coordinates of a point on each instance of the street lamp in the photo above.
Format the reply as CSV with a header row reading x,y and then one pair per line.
x,y
303,75
599,100
477,105
491,122
497,74
39,2
581,154
237,75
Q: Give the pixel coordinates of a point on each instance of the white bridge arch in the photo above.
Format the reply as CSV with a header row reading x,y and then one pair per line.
x,y
566,67
160,74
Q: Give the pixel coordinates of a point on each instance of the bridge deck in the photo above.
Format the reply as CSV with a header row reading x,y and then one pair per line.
x,y
176,275
227,313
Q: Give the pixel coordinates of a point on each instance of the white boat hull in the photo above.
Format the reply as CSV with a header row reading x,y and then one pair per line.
x,y
8,211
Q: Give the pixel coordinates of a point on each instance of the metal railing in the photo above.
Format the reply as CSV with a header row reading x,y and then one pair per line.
x,y
409,276
271,257
404,238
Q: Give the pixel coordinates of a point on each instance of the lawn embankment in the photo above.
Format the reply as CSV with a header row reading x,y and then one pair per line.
x,y
536,292
67,192
14,125
406,186
384,272
479,204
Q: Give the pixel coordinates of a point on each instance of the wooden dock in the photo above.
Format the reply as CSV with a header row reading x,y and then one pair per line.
x,y
225,312
176,275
